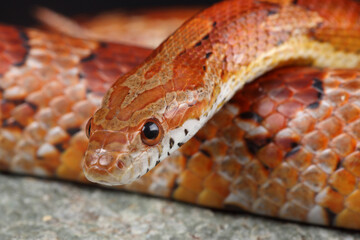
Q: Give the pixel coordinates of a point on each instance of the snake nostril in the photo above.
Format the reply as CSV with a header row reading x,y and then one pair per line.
x,y
120,164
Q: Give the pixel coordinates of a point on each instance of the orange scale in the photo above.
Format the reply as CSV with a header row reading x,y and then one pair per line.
x,y
4,65
314,178
343,181
290,108
223,118
95,84
210,198
307,96
218,184
270,155
183,194
287,139
352,163
191,181
343,144
302,195
89,68
14,56
23,114
331,199
230,168
321,112
293,211
348,219
190,147
110,74
352,85
344,74
315,140
265,207
275,122
352,202
200,164
338,97
264,107
274,191
349,112
232,134
257,172
300,158
299,84
331,83
331,127
269,84
253,92
327,160
287,174
242,153
6,109
354,129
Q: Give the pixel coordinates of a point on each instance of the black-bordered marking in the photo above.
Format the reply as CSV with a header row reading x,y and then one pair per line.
x,y
251,116
271,12
331,216
314,105
171,143
254,145
89,58
25,43
73,131
32,106
318,85
206,153
59,147
198,44
292,151
104,45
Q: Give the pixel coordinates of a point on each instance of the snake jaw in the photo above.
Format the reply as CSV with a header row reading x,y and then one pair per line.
x,y
112,159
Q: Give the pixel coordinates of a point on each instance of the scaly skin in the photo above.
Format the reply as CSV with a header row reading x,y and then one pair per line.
x,y
285,145
200,67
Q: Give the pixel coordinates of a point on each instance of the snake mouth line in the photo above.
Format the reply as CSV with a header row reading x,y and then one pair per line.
x,y
112,168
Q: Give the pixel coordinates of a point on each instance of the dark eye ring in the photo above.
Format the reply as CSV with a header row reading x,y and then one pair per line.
x,y
88,128
151,132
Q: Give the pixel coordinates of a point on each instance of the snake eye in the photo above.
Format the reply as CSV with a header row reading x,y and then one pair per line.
x,y
151,132
88,128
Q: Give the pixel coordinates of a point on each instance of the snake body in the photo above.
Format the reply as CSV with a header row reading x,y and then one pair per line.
x,y
284,146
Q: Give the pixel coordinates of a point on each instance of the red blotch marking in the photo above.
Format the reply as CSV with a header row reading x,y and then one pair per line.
x,y
12,49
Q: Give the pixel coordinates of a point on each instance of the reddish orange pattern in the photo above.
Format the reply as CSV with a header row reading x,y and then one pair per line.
x,y
285,146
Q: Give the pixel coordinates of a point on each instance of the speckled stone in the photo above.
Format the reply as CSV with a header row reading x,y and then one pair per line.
x,y
44,209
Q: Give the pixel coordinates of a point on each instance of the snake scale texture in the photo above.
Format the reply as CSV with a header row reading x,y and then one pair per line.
x,y
285,144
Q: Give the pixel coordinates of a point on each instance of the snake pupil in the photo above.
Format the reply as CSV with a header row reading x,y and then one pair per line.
x,y
150,130
88,128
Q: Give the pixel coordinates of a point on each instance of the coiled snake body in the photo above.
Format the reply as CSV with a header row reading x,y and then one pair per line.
x,y
286,145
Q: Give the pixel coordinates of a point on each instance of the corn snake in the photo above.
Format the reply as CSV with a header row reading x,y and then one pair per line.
x,y
292,183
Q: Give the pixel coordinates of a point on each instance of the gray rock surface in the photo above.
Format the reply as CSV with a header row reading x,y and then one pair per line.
x,y
43,209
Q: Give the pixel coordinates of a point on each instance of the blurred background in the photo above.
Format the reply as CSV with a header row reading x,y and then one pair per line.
x,y
19,11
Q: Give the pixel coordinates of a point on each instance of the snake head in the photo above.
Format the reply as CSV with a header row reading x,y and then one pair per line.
x,y
117,157
133,131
